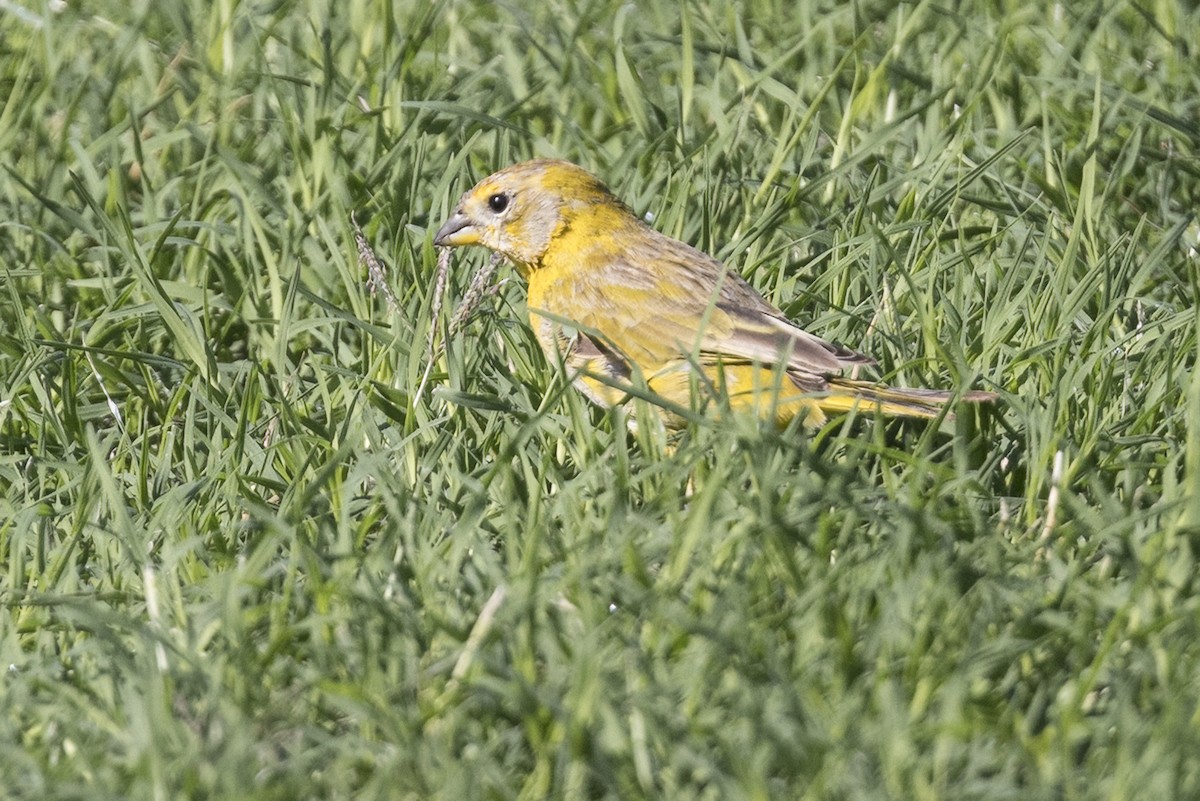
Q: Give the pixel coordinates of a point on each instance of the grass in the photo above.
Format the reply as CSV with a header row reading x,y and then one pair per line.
x,y
239,561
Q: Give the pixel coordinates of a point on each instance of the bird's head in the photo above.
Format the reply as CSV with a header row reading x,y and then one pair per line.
x,y
520,210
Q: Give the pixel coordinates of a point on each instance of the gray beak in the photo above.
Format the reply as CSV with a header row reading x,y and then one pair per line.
x,y
456,231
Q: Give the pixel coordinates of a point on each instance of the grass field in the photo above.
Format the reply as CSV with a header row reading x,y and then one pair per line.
x,y
240,559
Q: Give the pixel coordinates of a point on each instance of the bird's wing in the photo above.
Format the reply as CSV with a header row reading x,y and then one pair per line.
x,y
767,337
661,301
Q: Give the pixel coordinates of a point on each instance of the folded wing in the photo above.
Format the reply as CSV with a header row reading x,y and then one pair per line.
x,y
689,306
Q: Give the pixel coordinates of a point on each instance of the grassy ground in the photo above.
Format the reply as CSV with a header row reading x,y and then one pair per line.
x,y
237,559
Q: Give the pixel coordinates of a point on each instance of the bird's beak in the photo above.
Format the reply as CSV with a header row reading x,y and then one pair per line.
x,y
457,231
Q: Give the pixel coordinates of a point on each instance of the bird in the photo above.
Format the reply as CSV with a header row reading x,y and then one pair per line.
x,y
621,305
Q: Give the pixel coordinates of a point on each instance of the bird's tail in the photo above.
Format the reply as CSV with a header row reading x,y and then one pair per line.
x,y
845,394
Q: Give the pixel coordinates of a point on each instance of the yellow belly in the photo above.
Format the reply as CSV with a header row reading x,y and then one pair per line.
x,y
742,388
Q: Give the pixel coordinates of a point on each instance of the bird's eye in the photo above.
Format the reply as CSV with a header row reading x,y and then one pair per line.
x,y
498,202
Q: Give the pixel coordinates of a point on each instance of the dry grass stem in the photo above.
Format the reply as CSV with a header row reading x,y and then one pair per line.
x,y
376,274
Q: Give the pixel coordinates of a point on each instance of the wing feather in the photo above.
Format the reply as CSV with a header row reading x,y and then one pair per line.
x,y
659,301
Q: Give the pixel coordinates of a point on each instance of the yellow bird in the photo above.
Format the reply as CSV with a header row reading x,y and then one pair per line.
x,y
622,304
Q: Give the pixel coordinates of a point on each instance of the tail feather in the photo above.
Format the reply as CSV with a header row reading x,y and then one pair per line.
x,y
846,394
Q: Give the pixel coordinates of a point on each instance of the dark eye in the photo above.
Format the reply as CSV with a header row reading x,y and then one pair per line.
x,y
498,202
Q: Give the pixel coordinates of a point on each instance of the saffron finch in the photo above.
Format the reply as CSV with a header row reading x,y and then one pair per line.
x,y
622,304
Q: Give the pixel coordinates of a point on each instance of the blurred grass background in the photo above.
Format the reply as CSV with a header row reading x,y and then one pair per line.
x,y
237,560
